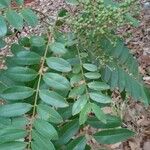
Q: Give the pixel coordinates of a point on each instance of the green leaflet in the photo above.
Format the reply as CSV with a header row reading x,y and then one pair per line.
x,y
4,122
19,122
76,79
79,104
146,95
52,98
15,48
114,79
40,142
100,98
17,93
77,91
84,113
67,131
73,61
14,19
58,48
121,80
76,69
58,64
92,75
98,113
128,81
3,27
111,122
113,135
30,17
26,58
56,81
98,86
36,145
66,113
106,73
5,81
77,144
11,134
24,41
49,114
66,38
22,74
16,122
62,13
45,129
14,110
47,145
37,41
13,145
90,67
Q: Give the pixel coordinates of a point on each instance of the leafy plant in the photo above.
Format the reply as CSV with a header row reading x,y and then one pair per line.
x,y
95,26
16,18
51,90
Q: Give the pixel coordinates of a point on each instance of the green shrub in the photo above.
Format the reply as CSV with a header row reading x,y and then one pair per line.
x,y
53,87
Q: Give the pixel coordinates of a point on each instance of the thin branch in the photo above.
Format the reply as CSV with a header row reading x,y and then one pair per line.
x,y
82,72
37,91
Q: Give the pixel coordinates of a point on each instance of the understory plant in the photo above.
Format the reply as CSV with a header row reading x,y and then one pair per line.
x,y
55,88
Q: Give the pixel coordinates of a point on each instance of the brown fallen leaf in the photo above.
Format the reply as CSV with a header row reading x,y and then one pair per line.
x,y
145,59
146,145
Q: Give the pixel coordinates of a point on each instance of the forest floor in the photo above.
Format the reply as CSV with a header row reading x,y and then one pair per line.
x,y
135,115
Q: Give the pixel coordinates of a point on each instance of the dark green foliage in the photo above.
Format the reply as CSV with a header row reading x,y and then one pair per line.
x,y
113,135
47,96
93,29
55,86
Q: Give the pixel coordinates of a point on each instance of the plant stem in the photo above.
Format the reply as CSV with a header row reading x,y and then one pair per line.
x,y
45,16
37,91
82,72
